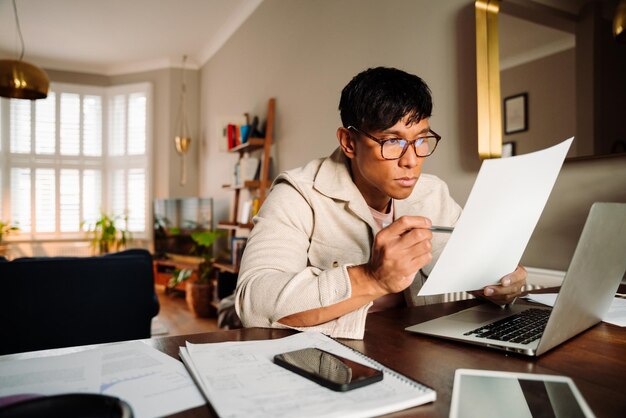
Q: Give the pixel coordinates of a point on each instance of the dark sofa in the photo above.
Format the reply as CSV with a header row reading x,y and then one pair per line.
x,y
51,302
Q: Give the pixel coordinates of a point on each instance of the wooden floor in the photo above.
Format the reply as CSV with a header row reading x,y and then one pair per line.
x,y
177,319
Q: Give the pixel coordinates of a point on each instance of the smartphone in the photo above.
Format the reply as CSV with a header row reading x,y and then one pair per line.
x,y
334,372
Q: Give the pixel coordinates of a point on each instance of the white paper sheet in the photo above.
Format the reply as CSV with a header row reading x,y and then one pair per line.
x,y
498,219
153,383
69,373
616,314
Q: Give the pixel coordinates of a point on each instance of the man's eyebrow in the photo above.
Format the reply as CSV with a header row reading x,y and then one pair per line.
x,y
397,133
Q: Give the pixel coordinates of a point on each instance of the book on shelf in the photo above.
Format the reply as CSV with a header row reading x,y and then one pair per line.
x,y
237,134
238,378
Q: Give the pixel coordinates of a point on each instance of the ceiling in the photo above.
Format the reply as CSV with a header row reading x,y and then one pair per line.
x,y
112,37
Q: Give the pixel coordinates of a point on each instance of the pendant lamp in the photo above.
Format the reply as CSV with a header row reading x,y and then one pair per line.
x,y
20,79
182,141
619,23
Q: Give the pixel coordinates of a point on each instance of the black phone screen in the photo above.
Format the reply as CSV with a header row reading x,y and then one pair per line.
x,y
334,372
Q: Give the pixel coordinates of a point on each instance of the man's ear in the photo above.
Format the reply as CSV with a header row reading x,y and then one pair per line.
x,y
346,142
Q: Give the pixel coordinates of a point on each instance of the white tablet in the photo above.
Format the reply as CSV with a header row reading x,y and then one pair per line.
x,y
487,394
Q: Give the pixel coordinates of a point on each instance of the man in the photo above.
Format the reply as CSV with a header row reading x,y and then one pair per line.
x,y
349,234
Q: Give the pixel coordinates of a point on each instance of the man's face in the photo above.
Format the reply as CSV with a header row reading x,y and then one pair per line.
x,y
378,179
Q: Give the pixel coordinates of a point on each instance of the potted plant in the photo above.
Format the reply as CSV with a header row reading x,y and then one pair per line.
x,y
6,228
106,236
198,293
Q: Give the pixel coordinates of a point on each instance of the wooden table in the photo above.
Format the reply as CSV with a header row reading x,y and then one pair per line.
x,y
595,360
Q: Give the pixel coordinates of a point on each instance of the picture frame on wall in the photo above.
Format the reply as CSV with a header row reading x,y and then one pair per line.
x,y
516,113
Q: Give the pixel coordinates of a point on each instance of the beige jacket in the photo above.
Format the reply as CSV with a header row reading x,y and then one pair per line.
x,y
312,226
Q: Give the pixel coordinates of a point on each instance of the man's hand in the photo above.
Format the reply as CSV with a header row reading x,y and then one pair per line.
x,y
398,252
510,288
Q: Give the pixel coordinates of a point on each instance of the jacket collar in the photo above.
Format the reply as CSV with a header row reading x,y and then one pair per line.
x,y
335,181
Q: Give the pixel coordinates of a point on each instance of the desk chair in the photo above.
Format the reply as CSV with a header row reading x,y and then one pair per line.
x,y
52,302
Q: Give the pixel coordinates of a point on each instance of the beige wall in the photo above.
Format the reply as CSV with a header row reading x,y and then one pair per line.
x,y
304,52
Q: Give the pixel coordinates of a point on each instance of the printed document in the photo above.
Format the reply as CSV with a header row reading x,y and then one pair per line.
x,y
151,382
499,217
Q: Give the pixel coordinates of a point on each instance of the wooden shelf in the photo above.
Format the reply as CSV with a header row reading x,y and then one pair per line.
x,y
251,144
248,184
227,225
257,190
226,267
233,186
232,226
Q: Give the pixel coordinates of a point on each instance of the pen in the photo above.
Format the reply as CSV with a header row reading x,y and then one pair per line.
x,y
442,229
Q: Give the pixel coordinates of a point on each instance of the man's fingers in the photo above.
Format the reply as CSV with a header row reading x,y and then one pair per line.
x,y
406,224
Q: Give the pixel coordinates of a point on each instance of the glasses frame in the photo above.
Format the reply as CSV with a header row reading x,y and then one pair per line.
x,y
408,142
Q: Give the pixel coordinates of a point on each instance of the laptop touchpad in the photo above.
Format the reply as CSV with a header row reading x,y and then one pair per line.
x,y
475,316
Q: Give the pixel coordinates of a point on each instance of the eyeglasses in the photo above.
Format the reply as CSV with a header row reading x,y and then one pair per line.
x,y
394,148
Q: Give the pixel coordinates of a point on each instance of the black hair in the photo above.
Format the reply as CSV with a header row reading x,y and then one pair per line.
x,y
378,98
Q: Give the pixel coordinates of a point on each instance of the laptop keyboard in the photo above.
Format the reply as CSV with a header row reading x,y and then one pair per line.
x,y
522,328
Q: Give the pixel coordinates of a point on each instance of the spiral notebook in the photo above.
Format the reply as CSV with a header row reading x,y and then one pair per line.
x,y
239,378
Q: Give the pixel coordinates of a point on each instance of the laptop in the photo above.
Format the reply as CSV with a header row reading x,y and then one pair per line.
x,y
589,286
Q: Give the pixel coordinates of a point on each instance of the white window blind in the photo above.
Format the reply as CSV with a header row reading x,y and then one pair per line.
x,y
20,126
45,200
117,125
137,124
70,124
45,125
117,192
92,196
69,205
128,175
20,198
92,126
136,199
56,173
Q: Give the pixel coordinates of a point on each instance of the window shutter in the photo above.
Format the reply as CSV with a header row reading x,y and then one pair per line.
x,y
20,198
45,125
136,199
117,125
137,124
92,126
45,200
20,135
117,192
92,196
69,205
56,163
70,124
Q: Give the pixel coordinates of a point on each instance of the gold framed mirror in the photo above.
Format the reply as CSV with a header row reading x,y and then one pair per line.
x,y
488,79
573,87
